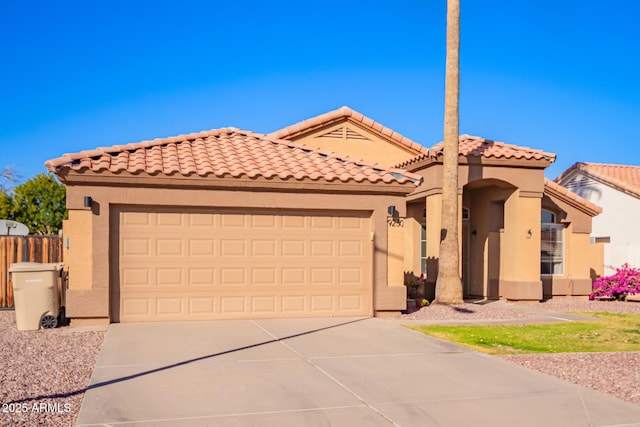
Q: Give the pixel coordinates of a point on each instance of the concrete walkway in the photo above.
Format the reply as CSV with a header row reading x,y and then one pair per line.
x,y
323,372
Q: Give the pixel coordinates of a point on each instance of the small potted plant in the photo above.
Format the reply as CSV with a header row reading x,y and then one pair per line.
x,y
421,302
415,287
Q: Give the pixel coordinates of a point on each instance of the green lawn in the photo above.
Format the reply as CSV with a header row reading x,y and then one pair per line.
x,y
614,332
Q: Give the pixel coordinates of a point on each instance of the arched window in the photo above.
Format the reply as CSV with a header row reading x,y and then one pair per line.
x,y
551,245
548,217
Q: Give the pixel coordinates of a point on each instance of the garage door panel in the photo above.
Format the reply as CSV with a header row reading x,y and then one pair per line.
x,y
136,277
170,306
232,277
262,248
136,247
170,277
347,223
202,247
137,219
322,248
264,221
350,248
207,265
264,276
293,248
233,221
321,223
350,302
322,276
233,305
293,276
293,222
200,220
322,304
201,305
233,247
264,305
202,276
137,307
166,219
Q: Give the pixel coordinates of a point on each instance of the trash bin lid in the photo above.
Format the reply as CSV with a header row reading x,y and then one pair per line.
x,y
32,266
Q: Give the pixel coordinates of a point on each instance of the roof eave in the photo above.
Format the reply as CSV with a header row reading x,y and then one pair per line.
x,y
70,176
413,166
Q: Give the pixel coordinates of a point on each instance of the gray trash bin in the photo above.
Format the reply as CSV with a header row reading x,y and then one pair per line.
x,y
36,294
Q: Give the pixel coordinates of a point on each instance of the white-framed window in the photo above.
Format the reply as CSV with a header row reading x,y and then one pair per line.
x,y
423,248
551,245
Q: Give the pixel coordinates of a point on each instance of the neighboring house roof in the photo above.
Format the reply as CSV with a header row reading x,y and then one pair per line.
x,y
481,147
570,197
228,152
622,177
305,126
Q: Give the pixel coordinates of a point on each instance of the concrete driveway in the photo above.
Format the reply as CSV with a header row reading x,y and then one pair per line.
x,y
323,372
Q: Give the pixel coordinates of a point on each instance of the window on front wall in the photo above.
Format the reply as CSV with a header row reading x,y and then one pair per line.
x,y
423,248
551,245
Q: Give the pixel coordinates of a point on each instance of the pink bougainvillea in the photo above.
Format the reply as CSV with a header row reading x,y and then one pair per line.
x,y
625,281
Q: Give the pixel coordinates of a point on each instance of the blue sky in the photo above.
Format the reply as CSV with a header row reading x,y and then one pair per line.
x,y
556,75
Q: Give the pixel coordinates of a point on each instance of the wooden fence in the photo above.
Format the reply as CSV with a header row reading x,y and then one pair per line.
x,y
24,249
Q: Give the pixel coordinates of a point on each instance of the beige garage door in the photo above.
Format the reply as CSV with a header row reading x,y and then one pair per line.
x,y
196,265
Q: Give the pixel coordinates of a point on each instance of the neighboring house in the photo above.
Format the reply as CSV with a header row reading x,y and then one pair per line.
x,y
232,224
617,189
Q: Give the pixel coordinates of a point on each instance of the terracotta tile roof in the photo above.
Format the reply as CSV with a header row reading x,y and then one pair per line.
x,y
570,196
232,153
346,113
624,177
481,147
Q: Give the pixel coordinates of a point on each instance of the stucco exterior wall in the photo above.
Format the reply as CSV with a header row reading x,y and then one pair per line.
x,y
92,302
521,248
582,259
79,251
357,142
486,229
395,248
412,225
504,255
579,259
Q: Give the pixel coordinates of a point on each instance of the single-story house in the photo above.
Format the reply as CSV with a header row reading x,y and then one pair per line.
x,y
616,188
327,217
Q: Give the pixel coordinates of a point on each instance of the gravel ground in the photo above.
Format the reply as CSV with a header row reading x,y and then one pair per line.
x,y
466,311
621,307
617,374
44,373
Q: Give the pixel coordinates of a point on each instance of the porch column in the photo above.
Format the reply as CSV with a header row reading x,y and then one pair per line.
x,y
460,240
520,248
433,205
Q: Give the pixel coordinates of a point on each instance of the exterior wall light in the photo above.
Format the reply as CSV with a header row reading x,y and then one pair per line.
x,y
394,217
